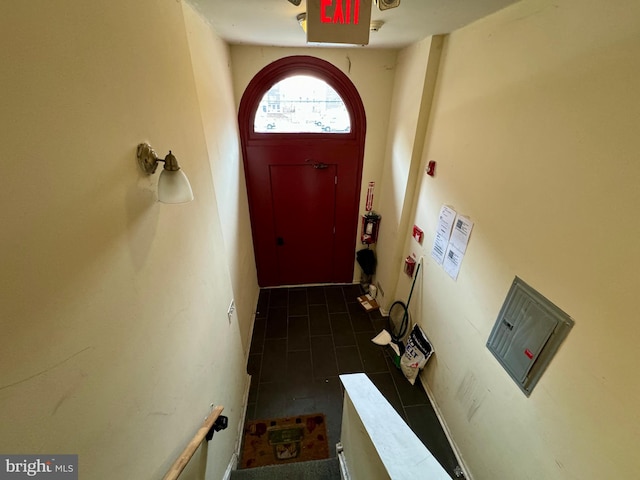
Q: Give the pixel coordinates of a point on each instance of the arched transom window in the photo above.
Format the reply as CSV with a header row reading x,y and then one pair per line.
x,y
301,104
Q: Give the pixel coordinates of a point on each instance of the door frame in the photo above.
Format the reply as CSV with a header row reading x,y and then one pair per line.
x,y
253,94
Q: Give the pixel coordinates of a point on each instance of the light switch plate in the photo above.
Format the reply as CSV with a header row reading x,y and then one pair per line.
x,y
230,310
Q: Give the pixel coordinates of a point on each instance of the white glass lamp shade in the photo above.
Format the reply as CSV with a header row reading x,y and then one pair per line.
x,y
174,187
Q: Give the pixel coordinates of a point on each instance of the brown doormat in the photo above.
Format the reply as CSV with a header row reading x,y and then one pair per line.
x,y
284,440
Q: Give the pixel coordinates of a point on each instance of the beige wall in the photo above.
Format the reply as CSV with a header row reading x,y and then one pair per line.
x,y
413,87
534,129
115,338
372,73
212,69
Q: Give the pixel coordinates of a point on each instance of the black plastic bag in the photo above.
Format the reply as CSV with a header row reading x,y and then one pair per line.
x,y
367,261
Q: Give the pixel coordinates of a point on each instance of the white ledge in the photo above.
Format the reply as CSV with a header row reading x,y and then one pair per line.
x,y
400,451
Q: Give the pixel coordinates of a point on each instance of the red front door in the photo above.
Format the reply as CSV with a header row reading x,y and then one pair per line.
x,y
304,210
303,188
304,215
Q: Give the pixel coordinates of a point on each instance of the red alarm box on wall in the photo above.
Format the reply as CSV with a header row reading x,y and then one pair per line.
x,y
409,266
370,226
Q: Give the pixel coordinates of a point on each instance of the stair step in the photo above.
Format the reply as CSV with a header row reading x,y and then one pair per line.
x,y
328,469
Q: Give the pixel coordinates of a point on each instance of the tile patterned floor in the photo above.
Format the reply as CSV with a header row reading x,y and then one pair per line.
x,y
304,338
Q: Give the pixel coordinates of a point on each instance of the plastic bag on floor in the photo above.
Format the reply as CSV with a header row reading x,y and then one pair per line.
x,y
416,354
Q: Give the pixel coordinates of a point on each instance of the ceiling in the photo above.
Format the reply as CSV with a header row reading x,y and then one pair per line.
x,y
273,22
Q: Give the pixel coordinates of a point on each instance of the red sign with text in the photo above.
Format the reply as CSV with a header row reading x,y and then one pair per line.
x,y
338,21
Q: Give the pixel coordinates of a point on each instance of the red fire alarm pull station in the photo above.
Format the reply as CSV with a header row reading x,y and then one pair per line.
x,y
370,226
417,234
431,168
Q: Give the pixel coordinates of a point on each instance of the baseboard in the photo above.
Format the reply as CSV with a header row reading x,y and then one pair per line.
x,y
344,469
447,432
245,396
254,314
233,464
235,456
243,416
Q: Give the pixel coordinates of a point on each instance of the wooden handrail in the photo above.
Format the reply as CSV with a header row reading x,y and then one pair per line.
x,y
182,461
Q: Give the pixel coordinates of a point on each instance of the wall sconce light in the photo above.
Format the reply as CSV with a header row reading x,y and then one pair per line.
x,y
173,184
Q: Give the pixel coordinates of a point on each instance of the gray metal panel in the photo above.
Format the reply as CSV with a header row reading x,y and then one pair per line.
x,y
532,329
527,332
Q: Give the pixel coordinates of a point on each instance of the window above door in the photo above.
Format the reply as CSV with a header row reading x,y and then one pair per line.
x,y
302,104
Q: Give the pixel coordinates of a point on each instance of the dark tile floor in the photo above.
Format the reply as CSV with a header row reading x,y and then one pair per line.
x,y
304,338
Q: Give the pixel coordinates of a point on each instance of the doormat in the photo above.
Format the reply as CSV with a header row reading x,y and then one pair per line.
x,y
284,440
